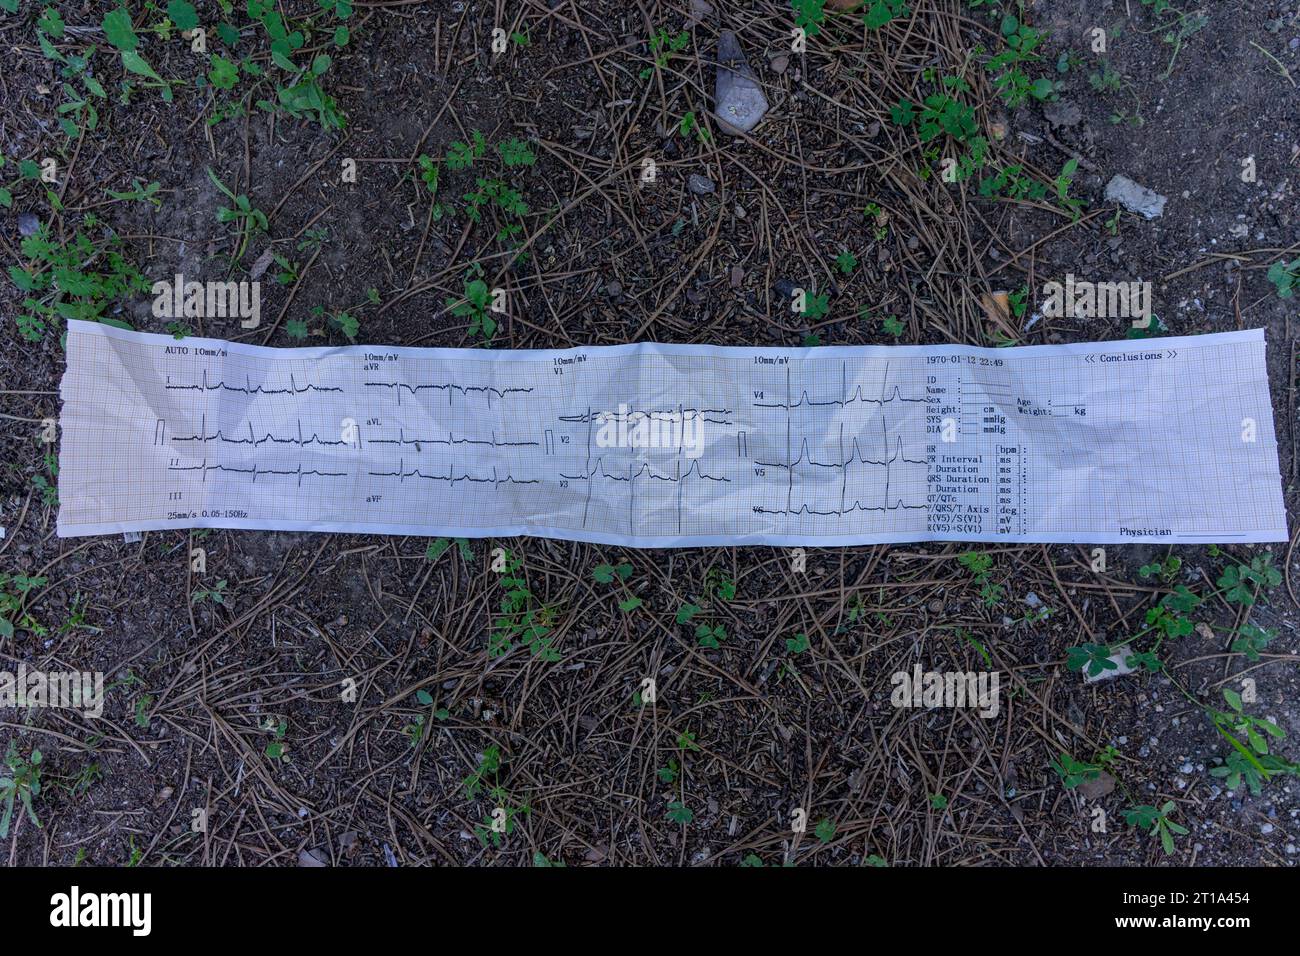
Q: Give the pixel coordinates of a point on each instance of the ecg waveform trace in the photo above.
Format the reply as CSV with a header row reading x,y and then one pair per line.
x,y
670,445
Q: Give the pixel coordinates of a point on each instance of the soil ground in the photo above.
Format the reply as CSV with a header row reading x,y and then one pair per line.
x,y
201,692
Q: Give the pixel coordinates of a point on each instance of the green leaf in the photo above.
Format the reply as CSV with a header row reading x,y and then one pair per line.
x,y
119,31
220,185
809,15
25,281
224,74
459,156
51,23
1270,728
515,152
135,63
1096,657
881,12
686,612
347,324
711,637
680,813
182,14
280,51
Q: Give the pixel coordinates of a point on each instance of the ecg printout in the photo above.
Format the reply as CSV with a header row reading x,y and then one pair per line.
x,y
1161,440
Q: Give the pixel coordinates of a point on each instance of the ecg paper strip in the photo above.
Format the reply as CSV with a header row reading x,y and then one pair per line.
x,y
1160,440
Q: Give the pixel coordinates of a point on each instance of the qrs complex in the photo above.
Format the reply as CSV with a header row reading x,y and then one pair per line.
x,y
452,478
855,454
892,451
248,388
256,470
845,400
451,439
220,436
843,467
451,388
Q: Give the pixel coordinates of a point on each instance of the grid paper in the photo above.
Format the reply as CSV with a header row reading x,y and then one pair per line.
x,y
1157,440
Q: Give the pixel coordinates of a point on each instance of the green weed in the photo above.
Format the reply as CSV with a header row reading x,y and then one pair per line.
x,y
80,278
473,305
809,15
1285,276
1147,817
243,213
344,321
276,748
880,12
663,46
618,573
21,782
139,192
216,594
690,126
980,565
1075,772
522,621
439,547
